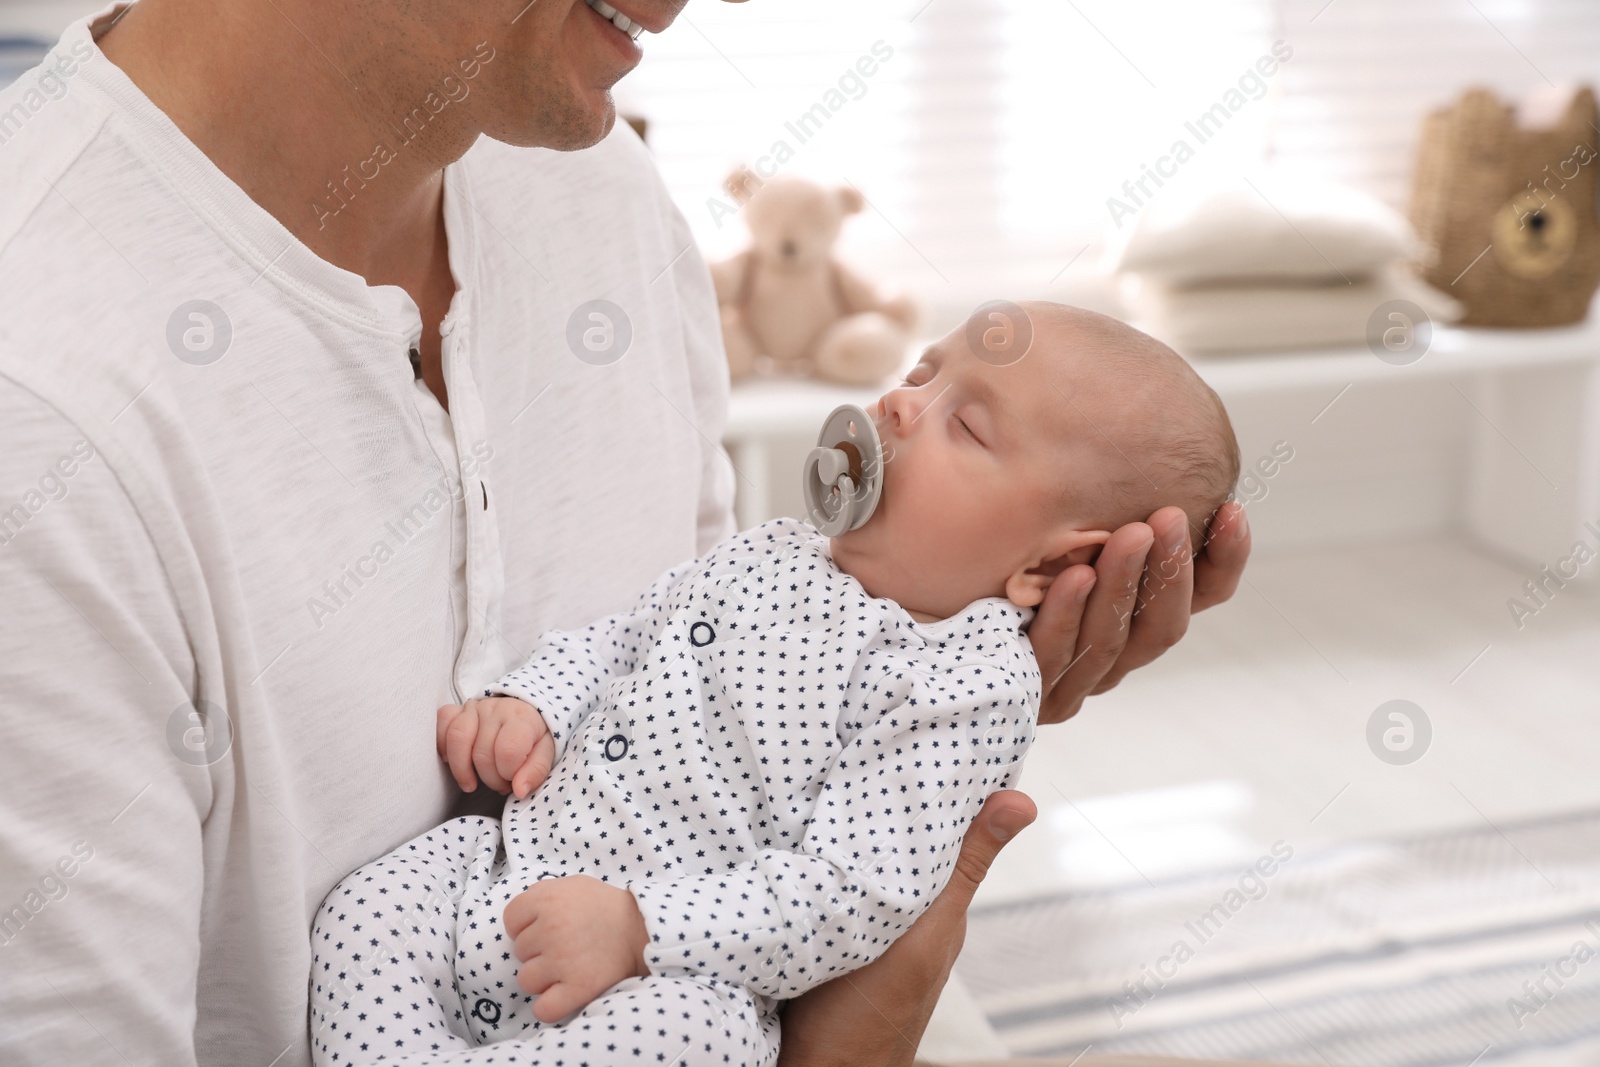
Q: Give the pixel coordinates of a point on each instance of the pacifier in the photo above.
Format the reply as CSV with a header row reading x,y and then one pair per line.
x,y
843,475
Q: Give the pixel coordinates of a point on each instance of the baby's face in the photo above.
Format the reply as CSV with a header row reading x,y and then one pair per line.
x,y
975,456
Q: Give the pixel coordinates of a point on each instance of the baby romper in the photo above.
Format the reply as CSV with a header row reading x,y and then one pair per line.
x,y
778,766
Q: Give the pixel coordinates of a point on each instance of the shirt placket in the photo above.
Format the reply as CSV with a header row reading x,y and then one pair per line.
x,y
480,659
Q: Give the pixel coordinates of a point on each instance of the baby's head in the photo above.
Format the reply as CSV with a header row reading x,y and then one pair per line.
x,y
1000,474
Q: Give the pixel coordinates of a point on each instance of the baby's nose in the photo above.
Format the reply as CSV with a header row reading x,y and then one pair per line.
x,y
895,414
887,418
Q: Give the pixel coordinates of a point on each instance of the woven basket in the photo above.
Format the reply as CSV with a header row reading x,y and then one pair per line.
x,y
1510,214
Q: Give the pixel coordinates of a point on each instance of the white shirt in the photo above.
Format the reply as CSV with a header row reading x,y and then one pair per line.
x,y
296,532
779,765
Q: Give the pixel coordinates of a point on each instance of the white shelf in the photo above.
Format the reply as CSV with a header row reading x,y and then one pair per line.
x,y
1534,393
1455,350
779,408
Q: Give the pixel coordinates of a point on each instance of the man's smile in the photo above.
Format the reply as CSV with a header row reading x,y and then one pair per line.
x,y
618,19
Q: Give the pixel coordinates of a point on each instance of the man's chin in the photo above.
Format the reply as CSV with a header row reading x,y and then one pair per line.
x,y
608,119
590,120
579,125
576,119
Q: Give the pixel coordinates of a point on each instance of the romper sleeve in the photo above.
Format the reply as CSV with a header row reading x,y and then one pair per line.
x,y
568,671
913,771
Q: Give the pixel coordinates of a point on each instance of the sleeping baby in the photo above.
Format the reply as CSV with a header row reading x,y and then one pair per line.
x,y
759,777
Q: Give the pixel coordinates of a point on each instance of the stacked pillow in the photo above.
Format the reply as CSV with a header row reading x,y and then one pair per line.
x,y
1270,265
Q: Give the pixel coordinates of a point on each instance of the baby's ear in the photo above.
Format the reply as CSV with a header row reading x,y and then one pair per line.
x,y
1026,587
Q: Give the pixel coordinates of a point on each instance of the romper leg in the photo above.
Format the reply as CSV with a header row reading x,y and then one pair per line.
x,y
382,979
667,1022
387,943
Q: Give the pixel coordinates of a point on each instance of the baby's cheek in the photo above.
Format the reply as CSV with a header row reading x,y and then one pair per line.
x,y
909,475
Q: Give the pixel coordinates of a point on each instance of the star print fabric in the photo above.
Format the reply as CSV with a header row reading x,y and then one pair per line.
x,y
801,758
779,767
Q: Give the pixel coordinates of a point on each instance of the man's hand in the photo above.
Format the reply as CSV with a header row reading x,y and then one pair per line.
x,y
876,1015
1098,623
576,937
505,739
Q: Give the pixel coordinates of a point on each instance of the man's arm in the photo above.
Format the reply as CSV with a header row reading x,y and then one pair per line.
x,y
877,1015
880,845
101,875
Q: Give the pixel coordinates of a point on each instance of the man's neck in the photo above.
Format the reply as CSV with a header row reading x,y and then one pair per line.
x,y
291,112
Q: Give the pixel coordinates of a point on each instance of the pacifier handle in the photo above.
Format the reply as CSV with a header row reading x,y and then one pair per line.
x,y
843,475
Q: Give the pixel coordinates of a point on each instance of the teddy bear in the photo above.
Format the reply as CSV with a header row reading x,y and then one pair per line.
x,y
789,308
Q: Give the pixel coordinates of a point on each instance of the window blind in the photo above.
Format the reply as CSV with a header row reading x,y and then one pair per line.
x,y
992,143
987,145
1366,73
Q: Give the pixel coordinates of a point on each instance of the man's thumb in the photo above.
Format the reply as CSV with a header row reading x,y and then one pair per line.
x,y
1005,814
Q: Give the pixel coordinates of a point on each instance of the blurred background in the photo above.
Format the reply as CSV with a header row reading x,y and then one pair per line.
x,y
1444,870
1354,817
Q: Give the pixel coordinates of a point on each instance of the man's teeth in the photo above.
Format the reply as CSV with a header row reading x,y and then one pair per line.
x,y
618,19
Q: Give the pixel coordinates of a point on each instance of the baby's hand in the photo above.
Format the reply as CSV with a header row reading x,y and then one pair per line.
x,y
503,738
576,937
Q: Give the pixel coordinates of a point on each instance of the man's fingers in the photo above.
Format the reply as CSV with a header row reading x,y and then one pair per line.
x,y
1105,626
460,736
1219,568
536,768
1162,611
1003,816
1053,633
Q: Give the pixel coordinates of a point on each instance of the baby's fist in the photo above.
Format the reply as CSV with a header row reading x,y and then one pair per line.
x,y
575,937
503,739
